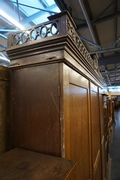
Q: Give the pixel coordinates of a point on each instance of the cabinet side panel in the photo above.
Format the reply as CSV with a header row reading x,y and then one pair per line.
x,y
36,109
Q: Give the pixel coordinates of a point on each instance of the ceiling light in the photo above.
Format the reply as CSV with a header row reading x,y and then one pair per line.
x,y
10,19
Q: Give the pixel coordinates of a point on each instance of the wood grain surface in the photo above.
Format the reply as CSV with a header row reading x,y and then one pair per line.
x,y
27,165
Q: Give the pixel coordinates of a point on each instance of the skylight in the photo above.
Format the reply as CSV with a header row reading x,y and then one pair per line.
x,y
35,11
112,89
16,15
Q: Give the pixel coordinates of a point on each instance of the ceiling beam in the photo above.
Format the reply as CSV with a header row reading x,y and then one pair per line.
x,y
44,3
107,80
111,72
100,20
8,30
38,14
114,59
4,47
108,17
116,41
82,6
4,56
85,13
105,50
114,1
116,82
3,36
18,10
90,42
35,7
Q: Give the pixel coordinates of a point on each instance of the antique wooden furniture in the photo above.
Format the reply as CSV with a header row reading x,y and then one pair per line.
x,y
55,96
107,116
4,108
27,165
104,113
102,136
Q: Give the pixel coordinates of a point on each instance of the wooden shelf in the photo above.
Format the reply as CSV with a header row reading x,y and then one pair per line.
x,y
27,165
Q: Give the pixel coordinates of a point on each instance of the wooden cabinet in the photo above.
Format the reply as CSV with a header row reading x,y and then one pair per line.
x,y
106,114
51,113
23,164
4,108
55,98
104,132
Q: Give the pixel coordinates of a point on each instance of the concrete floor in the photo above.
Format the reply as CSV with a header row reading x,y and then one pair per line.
x,y
115,148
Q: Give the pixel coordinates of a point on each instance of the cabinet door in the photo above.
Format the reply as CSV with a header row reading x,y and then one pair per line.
x,y
35,109
95,132
76,113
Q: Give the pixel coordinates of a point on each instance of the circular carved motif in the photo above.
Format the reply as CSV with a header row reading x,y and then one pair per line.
x,y
33,34
40,31
54,28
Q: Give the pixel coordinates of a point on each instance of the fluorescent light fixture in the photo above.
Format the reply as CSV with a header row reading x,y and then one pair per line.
x,y
10,19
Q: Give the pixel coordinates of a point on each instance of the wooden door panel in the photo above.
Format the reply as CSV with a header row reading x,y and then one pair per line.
x,y
101,115
95,133
95,125
97,169
36,109
102,124
79,128
76,111
103,158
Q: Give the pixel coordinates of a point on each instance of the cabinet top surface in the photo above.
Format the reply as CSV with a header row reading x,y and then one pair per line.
x,y
23,164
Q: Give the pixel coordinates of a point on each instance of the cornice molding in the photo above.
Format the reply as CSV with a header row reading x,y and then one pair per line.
x,y
65,46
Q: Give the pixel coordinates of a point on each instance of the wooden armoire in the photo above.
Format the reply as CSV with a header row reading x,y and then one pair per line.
x,y
56,96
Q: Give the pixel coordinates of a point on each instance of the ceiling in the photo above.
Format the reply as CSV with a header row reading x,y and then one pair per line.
x,y
98,26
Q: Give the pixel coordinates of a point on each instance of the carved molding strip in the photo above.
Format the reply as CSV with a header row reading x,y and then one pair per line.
x,y
76,39
58,25
47,29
